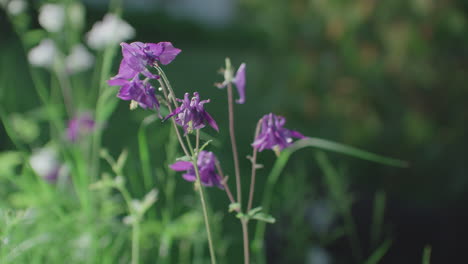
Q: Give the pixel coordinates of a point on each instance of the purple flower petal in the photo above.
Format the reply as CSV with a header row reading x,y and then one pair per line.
x,y
273,135
169,53
191,177
192,115
181,165
239,81
211,121
207,168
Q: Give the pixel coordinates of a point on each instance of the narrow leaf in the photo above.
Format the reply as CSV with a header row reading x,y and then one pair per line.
x,y
347,150
379,253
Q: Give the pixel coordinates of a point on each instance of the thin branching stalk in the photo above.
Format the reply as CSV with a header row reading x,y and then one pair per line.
x,y
168,104
234,145
254,169
169,87
203,201
225,185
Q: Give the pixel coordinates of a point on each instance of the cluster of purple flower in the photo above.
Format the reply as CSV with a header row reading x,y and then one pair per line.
x,y
191,115
137,57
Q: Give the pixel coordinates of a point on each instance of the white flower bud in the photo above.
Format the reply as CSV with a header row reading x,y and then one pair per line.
x,y
16,7
80,59
43,55
111,30
52,17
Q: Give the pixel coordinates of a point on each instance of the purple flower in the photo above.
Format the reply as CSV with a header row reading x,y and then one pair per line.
x,y
206,166
273,135
139,91
137,56
238,80
192,115
80,126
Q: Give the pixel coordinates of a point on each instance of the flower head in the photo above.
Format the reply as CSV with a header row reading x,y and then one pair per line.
x,y
207,167
139,91
52,17
192,115
137,56
273,135
80,126
43,55
80,59
111,30
238,80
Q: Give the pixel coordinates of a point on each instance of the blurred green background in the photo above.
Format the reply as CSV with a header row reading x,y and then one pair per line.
x,y
388,76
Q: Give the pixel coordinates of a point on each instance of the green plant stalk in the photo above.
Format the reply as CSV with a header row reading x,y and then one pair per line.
x,y
135,225
203,201
280,163
108,56
136,242
234,145
144,157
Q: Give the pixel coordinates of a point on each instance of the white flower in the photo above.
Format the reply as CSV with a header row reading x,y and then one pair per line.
x,y
16,7
43,55
111,30
80,59
52,17
45,163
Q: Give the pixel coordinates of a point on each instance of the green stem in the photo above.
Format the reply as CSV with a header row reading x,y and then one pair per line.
x,y
203,202
135,242
234,145
245,238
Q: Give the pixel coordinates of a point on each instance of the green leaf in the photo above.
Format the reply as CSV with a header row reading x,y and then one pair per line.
x,y
379,253
205,145
9,160
264,217
26,129
426,259
254,211
347,150
184,158
242,216
121,160
234,207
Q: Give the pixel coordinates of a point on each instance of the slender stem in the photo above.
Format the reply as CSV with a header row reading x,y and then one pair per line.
x,y
169,87
203,202
245,236
197,141
224,182
179,137
66,89
252,179
234,145
135,225
254,169
135,242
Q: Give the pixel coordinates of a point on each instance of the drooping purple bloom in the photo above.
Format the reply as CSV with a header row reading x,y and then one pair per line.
x,y
139,91
192,115
273,135
137,56
206,166
80,126
238,80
